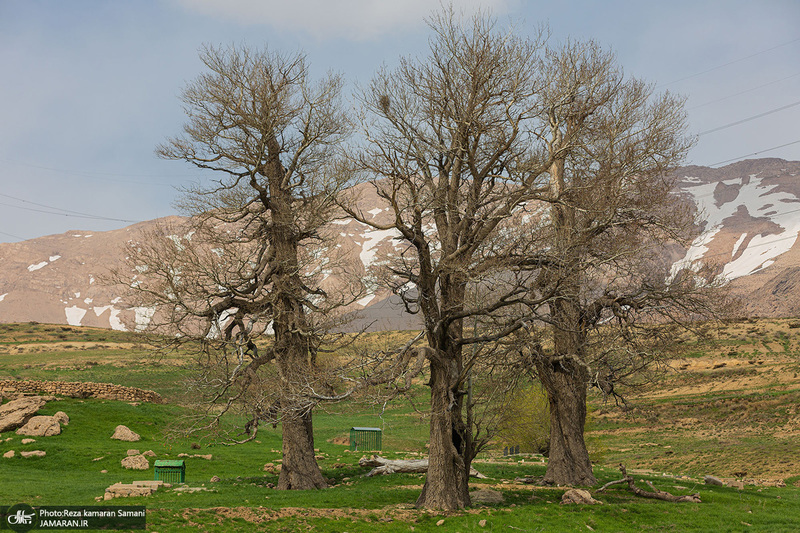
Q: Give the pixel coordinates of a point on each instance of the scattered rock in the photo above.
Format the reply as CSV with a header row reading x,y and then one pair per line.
x,y
482,523
98,458
149,453
9,454
207,456
33,453
137,488
40,426
486,496
215,479
17,412
123,433
135,462
191,489
580,497
133,452
713,480
440,522
104,471
62,418
28,441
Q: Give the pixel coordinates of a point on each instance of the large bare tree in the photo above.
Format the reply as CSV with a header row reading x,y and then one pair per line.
x,y
613,213
237,283
450,146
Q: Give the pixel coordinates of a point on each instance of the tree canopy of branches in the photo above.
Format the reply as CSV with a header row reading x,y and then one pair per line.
x,y
535,177
450,139
613,214
238,286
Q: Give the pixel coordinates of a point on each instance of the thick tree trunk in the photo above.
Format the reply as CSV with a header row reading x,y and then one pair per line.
x,y
565,383
299,469
445,485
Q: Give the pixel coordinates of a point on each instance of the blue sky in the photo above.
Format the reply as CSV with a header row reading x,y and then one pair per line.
x,y
89,88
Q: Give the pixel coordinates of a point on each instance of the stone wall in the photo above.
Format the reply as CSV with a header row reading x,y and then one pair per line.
x,y
75,389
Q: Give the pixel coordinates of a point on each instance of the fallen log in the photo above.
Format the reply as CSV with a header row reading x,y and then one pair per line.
x,y
382,466
656,494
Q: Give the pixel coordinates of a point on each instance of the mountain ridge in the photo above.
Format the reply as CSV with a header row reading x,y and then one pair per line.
x,y
751,222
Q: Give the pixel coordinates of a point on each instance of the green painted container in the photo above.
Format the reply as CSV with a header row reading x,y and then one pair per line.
x,y
170,471
363,439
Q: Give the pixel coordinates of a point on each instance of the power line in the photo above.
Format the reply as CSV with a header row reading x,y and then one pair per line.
x,y
88,215
12,235
748,119
754,153
68,214
106,176
742,92
729,63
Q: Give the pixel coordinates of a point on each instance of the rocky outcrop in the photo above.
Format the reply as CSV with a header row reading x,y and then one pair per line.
x,y
137,488
62,418
75,389
125,434
17,412
135,462
578,497
40,426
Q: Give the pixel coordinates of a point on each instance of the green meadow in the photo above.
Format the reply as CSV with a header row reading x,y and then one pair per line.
x,y
737,421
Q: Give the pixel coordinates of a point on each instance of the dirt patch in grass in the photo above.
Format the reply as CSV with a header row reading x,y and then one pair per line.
x,y
260,515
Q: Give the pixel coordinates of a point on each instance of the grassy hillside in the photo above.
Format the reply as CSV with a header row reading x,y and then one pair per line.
x,y
729,409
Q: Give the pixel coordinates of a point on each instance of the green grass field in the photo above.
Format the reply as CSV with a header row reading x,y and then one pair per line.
x,y
733,421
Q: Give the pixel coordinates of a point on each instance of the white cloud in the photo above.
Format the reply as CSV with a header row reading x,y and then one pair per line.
x,y
356,20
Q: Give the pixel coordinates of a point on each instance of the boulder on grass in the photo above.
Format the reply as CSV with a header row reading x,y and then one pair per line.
x,y
135,462
486,496
578,496
62,418
40,426
15,413
33,453
123,433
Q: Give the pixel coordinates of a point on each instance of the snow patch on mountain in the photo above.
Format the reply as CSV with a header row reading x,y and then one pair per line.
x,y
143,316
32,268
759,200
74,315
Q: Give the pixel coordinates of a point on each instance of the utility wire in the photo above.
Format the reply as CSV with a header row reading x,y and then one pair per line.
x,y
754,153
748,119
729,63
63,214
89,215
12,235
742,92
103,175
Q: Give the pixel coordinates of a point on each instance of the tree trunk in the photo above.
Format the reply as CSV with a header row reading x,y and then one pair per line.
x,y
445,485
299,469
565,383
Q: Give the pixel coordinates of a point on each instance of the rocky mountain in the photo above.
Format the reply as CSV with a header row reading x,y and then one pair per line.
x,y
751,213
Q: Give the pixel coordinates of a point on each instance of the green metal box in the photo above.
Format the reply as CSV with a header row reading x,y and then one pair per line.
x,y
170,471
363,439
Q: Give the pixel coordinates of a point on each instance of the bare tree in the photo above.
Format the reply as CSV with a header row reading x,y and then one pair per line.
x,y
237,285
613,214
449,138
